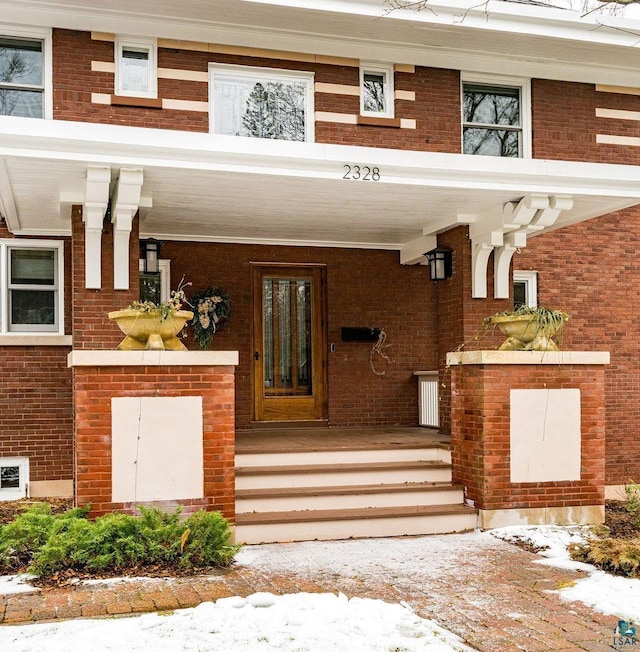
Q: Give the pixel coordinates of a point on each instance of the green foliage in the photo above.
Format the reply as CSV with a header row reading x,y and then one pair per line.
x,y
115,542
632,502
211,312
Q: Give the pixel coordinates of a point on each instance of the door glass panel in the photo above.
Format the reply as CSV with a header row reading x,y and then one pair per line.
x,y
286,336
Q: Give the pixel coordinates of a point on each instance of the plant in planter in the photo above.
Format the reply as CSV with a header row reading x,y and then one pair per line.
x,y
212,308
529,329
153,326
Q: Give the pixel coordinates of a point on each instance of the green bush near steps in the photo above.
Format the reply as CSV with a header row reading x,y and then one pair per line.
x,y
46,544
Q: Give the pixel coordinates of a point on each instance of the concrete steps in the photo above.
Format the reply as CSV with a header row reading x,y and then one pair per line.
x,y
344,493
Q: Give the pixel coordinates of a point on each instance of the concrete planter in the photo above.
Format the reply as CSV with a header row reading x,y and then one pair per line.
x,y
147,330
526,333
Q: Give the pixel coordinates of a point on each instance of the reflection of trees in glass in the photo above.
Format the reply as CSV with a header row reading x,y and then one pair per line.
x,y
373,88
275,110
485,109
20,72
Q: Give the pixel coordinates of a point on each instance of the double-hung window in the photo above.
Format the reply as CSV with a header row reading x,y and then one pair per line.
x,y
495,117
376,90
31,287
261,102
22,77
136,69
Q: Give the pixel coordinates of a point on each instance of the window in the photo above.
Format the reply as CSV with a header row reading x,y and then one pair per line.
x,y
261,103
376,90
14,477
22,77
136,72
155,287
525,289
495,118
31,287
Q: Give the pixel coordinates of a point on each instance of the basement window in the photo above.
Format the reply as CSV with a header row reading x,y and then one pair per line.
x,y
136,68
14,477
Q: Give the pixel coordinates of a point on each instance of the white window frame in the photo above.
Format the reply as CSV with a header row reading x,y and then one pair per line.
x,y
530,279
164,267
44,35
217,70
522,84
130,43
387,71
6,328
23,490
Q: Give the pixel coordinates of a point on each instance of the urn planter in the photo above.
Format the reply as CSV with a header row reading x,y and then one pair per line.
x,y
527,332
151,330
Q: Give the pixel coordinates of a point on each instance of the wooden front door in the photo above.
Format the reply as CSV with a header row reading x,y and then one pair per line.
x,y
289,343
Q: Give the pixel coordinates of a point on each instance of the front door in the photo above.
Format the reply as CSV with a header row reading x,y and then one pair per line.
x,y
289,343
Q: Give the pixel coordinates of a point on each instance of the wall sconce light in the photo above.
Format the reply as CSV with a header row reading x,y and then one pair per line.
x,y
440,263
150,254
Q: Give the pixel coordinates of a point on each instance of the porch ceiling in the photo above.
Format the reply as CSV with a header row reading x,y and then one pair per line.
x,y
201,187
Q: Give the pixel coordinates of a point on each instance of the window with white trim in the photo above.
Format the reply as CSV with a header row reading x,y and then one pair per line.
x,y
136,68
155,287
31,273
14,477
376,90
261,102
496,117
22,77
525,289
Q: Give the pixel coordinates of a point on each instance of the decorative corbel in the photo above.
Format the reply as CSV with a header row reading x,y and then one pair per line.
x,y
502,263
96,200
124,206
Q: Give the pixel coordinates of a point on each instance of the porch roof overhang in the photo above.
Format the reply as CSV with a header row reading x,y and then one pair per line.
x,y
201,187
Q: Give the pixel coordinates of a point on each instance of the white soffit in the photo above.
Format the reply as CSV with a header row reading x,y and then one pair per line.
x,y
501,37
247,190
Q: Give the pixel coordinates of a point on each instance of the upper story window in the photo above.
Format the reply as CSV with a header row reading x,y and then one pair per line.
x,y
261,102
22,77
136,69
31,287
495,117
376,90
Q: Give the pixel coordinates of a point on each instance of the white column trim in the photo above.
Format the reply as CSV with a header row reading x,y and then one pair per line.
x,y
124,206
96,200
412,252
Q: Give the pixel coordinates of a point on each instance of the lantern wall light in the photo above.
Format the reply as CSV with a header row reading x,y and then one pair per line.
x,y
150,254
440,263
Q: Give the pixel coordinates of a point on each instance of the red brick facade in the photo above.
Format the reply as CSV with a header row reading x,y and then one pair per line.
x,y
94,387
481,437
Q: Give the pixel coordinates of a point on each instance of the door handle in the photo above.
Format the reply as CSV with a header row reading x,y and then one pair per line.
x,y
256,356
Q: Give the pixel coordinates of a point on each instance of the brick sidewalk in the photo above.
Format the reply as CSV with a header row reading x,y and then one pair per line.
x,y
489,592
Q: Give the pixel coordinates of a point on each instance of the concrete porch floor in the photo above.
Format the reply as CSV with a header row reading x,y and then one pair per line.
x,y
280,440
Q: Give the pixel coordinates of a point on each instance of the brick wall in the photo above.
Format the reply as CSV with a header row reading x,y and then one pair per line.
x,y
364,288
591,271
481,435
94,387
565,123
436,107
91,326
35,401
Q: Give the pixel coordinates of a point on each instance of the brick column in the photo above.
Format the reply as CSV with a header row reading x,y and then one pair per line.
x,y
528,435
154,427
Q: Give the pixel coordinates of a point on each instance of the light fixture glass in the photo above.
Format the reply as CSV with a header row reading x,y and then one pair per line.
x,y
440,263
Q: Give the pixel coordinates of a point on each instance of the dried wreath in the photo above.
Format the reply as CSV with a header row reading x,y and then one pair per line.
x,y
211,308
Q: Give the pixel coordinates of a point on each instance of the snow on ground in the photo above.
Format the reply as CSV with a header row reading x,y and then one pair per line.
x,y
15,584
262,621
608,594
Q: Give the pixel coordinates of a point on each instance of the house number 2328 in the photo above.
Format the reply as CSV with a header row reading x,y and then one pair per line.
x,y
361,173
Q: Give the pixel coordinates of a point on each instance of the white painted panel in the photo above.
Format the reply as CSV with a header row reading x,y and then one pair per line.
x,y
545,435
157,450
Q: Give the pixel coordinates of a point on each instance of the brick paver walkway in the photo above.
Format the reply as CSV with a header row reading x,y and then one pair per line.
x,y
489,592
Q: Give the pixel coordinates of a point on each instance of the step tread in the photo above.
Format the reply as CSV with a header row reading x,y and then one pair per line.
x,y
283,449
339,490
346,466
311,515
